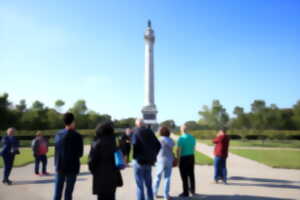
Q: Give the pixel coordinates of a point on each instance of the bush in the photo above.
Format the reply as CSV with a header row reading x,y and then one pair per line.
x,y
252,137
250,134
235,137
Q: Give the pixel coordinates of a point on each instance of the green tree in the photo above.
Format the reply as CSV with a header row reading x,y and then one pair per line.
x,y
169,123
37,106
4,111
193,125
241,121
79,107
296,116
95,118
21,107
214,117
59,104
125,123
54,119
258,106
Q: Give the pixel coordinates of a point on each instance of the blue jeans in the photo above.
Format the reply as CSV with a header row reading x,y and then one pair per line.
x,y
167,171
143,177
8,161
220,169
60,180
43,160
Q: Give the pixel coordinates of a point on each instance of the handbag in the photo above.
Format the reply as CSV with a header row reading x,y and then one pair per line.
x,y
119,159
175,162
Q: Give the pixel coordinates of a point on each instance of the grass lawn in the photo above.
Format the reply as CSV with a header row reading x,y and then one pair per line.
x,y
84,159
259,143
274,158
200,159
26,157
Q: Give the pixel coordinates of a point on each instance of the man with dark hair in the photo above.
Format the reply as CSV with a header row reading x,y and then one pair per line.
x,y
221,153
68,150
145,149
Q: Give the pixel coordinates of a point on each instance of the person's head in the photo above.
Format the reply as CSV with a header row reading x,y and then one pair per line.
x,y
69,120
39,133
128,131
139,122
183,129
11,131
223,130
105,128
164,131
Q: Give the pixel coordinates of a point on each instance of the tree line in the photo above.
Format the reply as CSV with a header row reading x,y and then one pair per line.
x,y
260,117
40,117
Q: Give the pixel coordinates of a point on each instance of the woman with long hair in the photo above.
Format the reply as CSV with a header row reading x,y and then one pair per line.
x,y
106,176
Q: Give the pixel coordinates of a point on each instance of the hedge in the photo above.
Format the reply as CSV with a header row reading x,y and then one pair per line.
x,y
30,134
251,134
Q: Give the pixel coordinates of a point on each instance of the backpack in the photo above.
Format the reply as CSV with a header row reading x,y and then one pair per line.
x,y
42,149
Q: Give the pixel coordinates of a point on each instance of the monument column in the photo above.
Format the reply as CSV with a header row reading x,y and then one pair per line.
x,y
149,110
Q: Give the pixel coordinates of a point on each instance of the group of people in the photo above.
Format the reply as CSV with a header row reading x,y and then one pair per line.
x,y
147,151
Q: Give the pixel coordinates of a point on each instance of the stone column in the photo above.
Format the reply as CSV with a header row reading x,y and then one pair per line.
x,y
149,110
149,67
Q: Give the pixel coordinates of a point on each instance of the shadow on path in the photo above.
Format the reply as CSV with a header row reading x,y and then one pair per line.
x,y
40,181
228,197
263,182
84,174
266,185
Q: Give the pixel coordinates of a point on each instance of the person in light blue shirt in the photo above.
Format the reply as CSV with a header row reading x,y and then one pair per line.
x,y
164,163
185,152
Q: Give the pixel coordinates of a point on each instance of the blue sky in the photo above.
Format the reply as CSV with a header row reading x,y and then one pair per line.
x,y
235,51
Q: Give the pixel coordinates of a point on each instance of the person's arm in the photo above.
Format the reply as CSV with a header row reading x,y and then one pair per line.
x,y
93,157
134,145
81,148
5,144
47,143
178,152
33,146
216,140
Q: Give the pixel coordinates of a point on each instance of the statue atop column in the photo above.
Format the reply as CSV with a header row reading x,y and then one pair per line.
x,y
149,23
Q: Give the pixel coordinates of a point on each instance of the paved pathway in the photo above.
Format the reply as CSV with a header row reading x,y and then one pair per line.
x,y
249,180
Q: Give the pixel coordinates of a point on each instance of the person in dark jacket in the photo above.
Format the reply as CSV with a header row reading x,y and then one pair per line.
x,y
40,150
10,147
68,150
125,144
145,149
221,154
106,176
